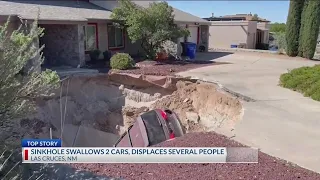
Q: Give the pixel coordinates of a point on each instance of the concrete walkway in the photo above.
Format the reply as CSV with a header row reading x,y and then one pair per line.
x,y
281,122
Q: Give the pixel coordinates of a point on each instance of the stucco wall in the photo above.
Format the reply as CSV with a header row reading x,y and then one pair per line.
x,y
222,34
132,48
103,36
204,35
64,45
266,37
252,33
265,26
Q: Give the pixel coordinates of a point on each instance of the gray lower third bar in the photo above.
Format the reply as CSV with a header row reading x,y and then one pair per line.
x,y
242,155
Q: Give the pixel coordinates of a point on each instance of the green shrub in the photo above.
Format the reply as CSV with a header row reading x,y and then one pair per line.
x,y
121,61
278,27
280,41
305,80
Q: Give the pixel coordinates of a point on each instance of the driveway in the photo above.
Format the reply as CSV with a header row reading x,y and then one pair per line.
x,y
281,122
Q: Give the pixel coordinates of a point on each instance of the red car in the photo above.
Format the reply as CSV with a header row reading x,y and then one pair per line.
x,y
151,128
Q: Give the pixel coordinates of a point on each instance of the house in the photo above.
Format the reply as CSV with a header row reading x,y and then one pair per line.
x,y
75,27
240,30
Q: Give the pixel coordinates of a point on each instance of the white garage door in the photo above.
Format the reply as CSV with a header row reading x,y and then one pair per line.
x,y
193,34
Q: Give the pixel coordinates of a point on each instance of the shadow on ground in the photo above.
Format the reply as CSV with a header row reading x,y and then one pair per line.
x,y
211,56
101,65
202,58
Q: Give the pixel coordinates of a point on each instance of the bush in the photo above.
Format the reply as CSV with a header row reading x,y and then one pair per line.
x,y
278,27
21,79
21,83
305,80
121,61
280,41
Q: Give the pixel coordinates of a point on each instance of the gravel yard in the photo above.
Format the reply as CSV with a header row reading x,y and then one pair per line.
x,y
268,168
166,68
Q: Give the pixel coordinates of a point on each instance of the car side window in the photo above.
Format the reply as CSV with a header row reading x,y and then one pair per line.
x,y
154,129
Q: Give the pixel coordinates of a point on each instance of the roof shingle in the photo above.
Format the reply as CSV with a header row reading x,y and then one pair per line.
x,y
73,10
54,10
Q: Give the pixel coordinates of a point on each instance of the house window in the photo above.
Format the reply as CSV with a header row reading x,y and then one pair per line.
x,y
91,34
115,37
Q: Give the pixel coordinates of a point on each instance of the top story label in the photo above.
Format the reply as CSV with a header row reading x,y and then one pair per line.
x,y
41,143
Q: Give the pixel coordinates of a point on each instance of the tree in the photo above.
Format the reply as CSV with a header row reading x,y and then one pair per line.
x,y
293,27
21,81
310,31
152,26
255,17
278,27
302,27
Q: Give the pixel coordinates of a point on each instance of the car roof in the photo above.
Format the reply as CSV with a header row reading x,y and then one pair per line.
x,y
138,134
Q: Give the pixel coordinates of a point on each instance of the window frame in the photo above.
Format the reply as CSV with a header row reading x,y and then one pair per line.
x,y
96,36
123,38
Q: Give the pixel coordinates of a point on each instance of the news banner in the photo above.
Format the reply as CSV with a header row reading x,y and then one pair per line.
x,y
51,151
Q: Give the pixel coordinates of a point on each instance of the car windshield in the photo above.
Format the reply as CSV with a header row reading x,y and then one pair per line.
x,y
154,129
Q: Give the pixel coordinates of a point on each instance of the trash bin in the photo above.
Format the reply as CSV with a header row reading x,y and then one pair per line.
x,y
191,50
234,46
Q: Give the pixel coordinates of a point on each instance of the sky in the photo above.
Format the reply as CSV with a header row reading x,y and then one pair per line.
x,y
274,11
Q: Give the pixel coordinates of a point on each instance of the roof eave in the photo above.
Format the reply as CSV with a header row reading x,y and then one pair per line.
x,y
193,22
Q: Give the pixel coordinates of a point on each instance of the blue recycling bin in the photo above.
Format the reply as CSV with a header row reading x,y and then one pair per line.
x,y
191,49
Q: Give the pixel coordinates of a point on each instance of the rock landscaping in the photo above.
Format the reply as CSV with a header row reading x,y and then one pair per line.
x,y
268,167
166,67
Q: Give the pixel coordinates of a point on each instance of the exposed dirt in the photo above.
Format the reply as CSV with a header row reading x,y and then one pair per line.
x,y
105,106
268,168
202,107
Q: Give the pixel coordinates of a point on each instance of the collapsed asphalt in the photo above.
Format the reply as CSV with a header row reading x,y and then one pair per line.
x,y
268,168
